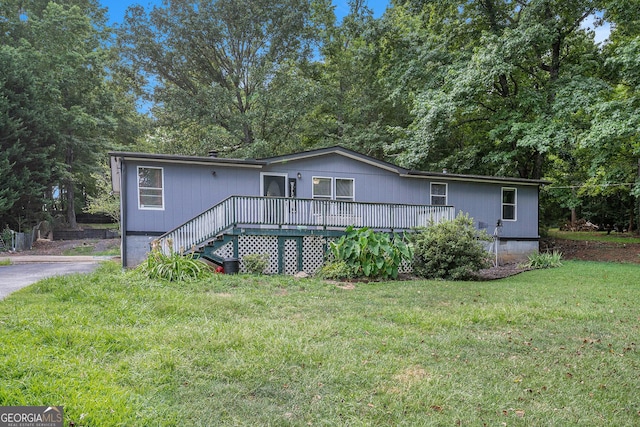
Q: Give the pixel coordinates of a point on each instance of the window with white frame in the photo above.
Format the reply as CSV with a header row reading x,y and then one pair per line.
x,y
509,204
322,188
438,194
341,189
345,189
150,188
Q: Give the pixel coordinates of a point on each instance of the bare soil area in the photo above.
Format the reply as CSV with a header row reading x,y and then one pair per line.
x,y
59,247
594,251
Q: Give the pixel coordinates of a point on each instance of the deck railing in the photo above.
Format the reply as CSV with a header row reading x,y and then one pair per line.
x,y
277,212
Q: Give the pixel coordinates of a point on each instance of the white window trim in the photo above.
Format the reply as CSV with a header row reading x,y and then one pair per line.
x,y
333,188
322,197
150,208
446,193
514,204
353,187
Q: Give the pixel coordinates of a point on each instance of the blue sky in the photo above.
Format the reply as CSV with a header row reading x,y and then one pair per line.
x,y
118,7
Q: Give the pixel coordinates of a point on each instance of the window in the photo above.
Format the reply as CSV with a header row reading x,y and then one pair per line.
x,y
438,194
341,189
150,188
344,189
321,188
509,203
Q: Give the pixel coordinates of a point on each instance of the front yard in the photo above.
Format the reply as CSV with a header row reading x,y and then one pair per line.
x,y
546,347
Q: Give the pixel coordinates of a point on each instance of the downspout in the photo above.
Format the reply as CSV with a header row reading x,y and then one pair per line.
x,y
123,213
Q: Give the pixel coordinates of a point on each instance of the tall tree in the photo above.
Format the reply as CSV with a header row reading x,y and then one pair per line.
x,y
613,140
509,87
209,61
66,45
25,144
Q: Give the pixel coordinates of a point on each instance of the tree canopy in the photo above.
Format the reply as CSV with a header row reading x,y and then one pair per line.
x,y
498,87
61,109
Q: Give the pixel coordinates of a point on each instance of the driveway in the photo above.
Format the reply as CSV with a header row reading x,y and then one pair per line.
x,y
17,276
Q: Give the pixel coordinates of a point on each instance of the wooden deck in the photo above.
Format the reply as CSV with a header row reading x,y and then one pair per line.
x,y
299,214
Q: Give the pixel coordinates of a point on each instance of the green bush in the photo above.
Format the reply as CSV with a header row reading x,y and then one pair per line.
x,y
255,263
544,260
173,267
451,250
335,270
370,254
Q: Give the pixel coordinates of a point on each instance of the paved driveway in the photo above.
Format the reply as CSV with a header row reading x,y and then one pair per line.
x,y
14,277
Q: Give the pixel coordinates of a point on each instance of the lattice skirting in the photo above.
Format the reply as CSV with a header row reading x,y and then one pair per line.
x,y
287,254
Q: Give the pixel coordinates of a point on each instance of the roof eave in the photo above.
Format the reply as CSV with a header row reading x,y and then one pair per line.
x,y
181,159
476,178
340,151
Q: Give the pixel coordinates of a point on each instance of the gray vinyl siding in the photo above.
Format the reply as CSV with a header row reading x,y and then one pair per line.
x,y
483,202
189,189
372,184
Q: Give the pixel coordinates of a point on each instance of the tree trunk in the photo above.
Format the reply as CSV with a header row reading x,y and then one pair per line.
x,y
70,187
71,205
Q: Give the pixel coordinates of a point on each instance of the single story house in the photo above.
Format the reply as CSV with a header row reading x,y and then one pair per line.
x,y
291,206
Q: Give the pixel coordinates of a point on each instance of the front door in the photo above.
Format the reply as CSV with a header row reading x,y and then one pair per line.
x,y
274,186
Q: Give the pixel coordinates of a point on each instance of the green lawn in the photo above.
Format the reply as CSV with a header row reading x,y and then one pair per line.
x,y
546,347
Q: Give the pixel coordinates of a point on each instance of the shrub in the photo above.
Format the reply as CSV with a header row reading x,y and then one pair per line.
x,y
335,270
370,254
255,263
450,250
173,267
544,260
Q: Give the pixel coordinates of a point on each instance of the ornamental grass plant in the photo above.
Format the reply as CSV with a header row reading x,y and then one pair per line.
x,y
173,267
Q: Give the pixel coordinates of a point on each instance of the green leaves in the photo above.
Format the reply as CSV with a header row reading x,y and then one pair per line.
x,y
366,253
66,114
174,267
215,61
450,250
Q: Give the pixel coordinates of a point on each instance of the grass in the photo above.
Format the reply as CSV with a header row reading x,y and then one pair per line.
x,y
546,347
108,226
5,262
594,236
88,247
84,249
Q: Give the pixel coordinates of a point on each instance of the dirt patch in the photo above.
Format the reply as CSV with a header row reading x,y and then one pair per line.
x,y
594,251
59,247
500,272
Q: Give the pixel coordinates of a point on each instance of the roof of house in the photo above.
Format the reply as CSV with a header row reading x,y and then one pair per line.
x,y
260,163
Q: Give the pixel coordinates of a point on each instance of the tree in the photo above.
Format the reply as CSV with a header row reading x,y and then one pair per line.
x,y
512,81
105,201
65,46
614,136
211,61
25,144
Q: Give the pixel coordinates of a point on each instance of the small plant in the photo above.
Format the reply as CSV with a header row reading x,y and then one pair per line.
x,y
6,239
451,250
255,263
173,267
335,270
544,260
370,254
